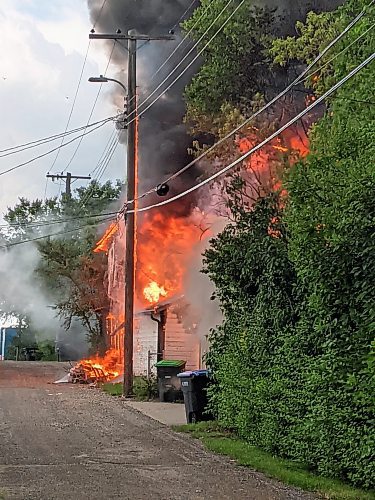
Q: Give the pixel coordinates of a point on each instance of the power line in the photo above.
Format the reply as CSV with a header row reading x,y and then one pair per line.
x,y
183,59
296,81
231,165
186,56
108,160
279,96
37,224
38,238
93,107
51,150
99,14
73,105
102,164
360,15
261,144
112,139
103,168
349,99
181,42
338,54
39,142
184,14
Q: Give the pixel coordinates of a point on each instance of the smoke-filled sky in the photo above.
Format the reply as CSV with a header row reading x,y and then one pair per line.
x,y
43,46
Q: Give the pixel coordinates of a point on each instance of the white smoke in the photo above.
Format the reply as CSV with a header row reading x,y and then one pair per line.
x,y
22,293
204,312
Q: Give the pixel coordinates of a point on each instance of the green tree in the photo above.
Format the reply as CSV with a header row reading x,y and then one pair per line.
x,y
235,63
74,275
256,285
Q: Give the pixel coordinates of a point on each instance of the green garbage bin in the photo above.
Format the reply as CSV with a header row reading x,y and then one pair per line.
x,y
169,384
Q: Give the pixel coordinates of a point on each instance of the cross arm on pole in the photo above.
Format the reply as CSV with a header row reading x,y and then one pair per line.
x,y
60,176
120,36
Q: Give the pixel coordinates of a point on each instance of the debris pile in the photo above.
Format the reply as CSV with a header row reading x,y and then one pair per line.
x,y
88,373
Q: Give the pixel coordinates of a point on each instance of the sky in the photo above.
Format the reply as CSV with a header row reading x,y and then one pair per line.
x,y
44,43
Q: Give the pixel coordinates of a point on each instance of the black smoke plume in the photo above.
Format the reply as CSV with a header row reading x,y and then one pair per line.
x,y
163,140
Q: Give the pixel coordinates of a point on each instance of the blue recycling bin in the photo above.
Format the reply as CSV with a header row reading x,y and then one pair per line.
x,y
194,388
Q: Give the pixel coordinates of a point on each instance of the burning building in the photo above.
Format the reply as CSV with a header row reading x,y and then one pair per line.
x,y
163,325
167,323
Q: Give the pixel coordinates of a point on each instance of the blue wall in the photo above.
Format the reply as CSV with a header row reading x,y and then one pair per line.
x,y
10,334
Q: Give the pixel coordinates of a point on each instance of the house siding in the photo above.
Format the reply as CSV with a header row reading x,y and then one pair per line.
x,y
180,344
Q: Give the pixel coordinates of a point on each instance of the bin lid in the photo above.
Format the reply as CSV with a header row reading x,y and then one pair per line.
x,y
170,363
193,373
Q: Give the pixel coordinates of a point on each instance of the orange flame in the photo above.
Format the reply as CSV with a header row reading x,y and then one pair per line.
x,y
283,149
152,292
164,249
105,242
99,367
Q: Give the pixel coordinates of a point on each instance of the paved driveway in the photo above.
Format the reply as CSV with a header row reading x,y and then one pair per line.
x,y
72,442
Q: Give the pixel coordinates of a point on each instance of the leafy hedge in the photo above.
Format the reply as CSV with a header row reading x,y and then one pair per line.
x,y
294,358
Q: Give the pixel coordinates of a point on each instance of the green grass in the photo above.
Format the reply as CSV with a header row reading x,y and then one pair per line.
x,y
113,389
287,471
144,389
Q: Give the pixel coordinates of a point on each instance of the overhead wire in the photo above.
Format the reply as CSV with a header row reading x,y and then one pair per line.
x,y
228,167
111,149
338,54
108,160
105,152
182,41
295,82
52,150
78,129
66,132
36,224
289,87
183,15
200,52
99,14
110,140
92,109
103,163
348,99
261,144
45,140
73,105
357,18
217,32
184,58
60,233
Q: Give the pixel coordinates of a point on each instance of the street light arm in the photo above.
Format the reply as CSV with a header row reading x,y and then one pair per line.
x,y
117,81
105,79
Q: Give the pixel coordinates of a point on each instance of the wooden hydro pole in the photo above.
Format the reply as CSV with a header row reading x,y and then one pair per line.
x,y
68,181
132,38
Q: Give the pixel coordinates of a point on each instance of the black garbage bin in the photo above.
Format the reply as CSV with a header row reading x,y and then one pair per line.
x,y
194,388
30,353
169,385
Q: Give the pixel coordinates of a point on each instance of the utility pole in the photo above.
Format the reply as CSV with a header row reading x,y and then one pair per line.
x,y
68,181
132,38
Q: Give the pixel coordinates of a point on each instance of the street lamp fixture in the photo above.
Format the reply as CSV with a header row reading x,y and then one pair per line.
x,y
105,79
